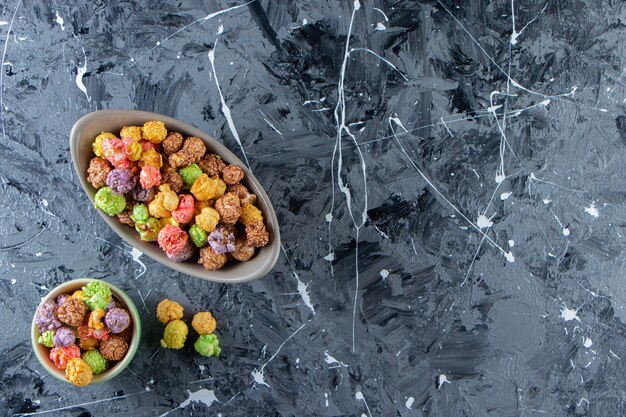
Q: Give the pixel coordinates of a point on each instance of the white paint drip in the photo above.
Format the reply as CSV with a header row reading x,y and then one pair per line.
x,y
443,379
304,22
568,314
80,72
38,254
587,342
380,26
60,20
330,257
220,29
326,397
504,196
331,361
359,396
483,222
409,402
565,231
297,361
546,201
302,287
384,273
511,243
136,254
381,12
258,376
202,396
270,124
592,210
13,281
509,256
3,22
225,108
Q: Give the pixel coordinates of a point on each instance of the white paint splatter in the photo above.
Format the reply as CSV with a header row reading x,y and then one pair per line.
x,y
509,256
3,22
381,12
203,396
220,29
587,342
592,210
331,361
569,314
326,397
330,257
60,20
546,201
225,108
80,72
13,281
257,375
384,273
201,368
44,202
566,231
442,380
302,290
136,254
380,26
304,22
504,196
483,222
511,243
409,402
297,360
38,254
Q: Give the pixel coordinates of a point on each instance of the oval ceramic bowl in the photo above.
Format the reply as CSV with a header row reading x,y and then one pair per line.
x,y
69,287
81,138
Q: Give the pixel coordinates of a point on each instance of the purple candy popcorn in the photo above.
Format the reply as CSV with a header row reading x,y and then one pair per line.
x,y
121,181
64,337
117,320
46,318
111,305
142,194
61,299
182,255
222,240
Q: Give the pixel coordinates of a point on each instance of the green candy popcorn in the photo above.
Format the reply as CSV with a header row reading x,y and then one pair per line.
x,y
96,295
190,174
108,202
47,338
148,230
198,235
207,345
140,213
96,361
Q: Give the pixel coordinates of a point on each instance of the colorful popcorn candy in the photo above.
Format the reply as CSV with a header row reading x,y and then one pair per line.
x,y
169,310
205,188
175,335
190,174
96,295
78,372
250,214
148,230
108,202
64,336
132,149
96,361
95,319
207,345
97,172
208,219
229,208
243,252
232,174
198,236
46,318
154,131
210,260
60,356
46,338
149,176
72,312
114,348
222,240
203,322
121,181
117,320
185,210
132,132
97,143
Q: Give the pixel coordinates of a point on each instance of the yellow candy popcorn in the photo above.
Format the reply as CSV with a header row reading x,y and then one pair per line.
x,y
205,188
175,335
78,372
156,208
169,310
97,143
78,295
155,131
208,219
152,158
131,132
170,199
250,214
204,323
135,151
168,220
199,205
95,319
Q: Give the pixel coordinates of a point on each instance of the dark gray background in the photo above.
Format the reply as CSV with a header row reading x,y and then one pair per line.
x,y
444,324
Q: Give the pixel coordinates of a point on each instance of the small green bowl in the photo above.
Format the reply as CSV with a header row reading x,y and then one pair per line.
x,y
70,287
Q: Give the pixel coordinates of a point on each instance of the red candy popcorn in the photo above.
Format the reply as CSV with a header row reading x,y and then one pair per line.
x,y
149,176
172,239
113,150
62,355
185,210
85,332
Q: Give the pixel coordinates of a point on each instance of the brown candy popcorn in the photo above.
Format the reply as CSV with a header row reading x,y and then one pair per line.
x,y
124,218
211,260
192,152
114,348
211,165
173,142
257,235
245,196
243,252
232,174
72,312
97,172
229,208
174,180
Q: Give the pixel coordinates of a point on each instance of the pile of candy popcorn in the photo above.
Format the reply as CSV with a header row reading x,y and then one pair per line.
x,y
86,331
176,193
